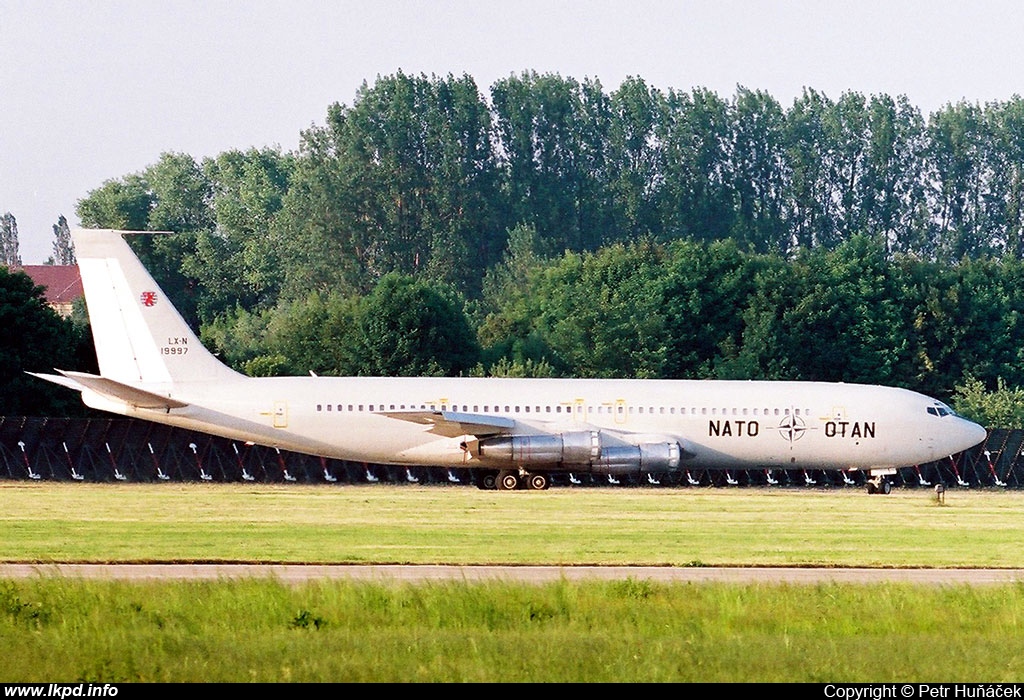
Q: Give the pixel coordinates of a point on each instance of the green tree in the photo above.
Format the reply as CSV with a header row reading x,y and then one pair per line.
x,y
36,339
959,141
1000,408
635,159
9,241
986,322
810,151
118,204
1006,121
63,250
409,327
237,261
323,229
602,314
505,314
404,180
318,334
931,309
758,175
893,190
537,119
696,201
827,316
182,195
706,287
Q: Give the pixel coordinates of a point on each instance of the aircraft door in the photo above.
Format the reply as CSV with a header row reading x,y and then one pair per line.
x,y
620,411
579,410
280,414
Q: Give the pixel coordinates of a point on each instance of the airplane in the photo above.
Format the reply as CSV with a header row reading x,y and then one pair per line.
x,y
506,433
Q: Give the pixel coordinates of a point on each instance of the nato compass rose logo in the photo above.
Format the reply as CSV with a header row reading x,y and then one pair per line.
x,y
148,298
792,428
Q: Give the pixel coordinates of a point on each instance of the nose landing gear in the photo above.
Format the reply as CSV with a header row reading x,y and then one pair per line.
x,y
879,483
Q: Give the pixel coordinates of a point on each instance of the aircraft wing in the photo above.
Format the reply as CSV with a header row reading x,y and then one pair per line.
x,y
452,424
111,389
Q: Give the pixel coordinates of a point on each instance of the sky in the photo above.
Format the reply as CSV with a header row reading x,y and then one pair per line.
x,y
96,90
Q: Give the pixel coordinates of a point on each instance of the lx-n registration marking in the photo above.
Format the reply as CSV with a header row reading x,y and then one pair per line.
x,y
175,346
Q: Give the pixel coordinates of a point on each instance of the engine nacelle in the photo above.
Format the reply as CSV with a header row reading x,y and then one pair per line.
x,y
584,450
576,448
621,460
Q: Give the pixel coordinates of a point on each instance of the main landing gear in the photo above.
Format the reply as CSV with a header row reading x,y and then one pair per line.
x,y
511,480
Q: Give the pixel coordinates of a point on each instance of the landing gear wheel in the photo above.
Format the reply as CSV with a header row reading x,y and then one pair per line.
x,y
879,485
508,481
537,482
488,481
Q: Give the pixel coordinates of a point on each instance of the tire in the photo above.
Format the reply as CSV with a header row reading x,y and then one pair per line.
x,y
538,482
508,481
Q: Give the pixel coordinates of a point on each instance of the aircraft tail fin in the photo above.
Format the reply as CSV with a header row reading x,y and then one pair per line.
x,y
140,337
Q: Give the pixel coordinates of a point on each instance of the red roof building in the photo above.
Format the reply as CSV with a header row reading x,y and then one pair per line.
x,y
63,284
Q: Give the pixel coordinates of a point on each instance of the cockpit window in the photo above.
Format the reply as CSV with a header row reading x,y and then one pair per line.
x,y
940,410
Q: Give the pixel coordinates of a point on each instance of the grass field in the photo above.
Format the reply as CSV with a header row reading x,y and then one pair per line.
x,y
45,522
54,629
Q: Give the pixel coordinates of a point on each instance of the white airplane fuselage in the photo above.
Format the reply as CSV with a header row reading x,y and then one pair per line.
x,y
152,366
718,424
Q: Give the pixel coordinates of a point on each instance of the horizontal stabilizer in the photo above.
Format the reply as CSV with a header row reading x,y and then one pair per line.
x,y
133,396
451,424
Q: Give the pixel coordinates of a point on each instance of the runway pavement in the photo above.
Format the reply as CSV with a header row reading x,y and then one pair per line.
x,y
296,573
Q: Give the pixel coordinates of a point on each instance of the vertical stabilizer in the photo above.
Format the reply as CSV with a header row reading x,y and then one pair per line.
x,y
140,337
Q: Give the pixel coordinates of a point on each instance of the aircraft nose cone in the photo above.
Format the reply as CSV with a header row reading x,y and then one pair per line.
x,y
969,435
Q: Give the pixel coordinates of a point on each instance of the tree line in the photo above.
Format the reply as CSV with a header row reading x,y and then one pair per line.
x,y
554,227
427,175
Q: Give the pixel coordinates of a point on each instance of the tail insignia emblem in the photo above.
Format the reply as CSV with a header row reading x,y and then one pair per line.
x,y
148,298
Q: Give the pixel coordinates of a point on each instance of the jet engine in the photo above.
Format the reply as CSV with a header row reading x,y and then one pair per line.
x,y
584,451
582,447
643,458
